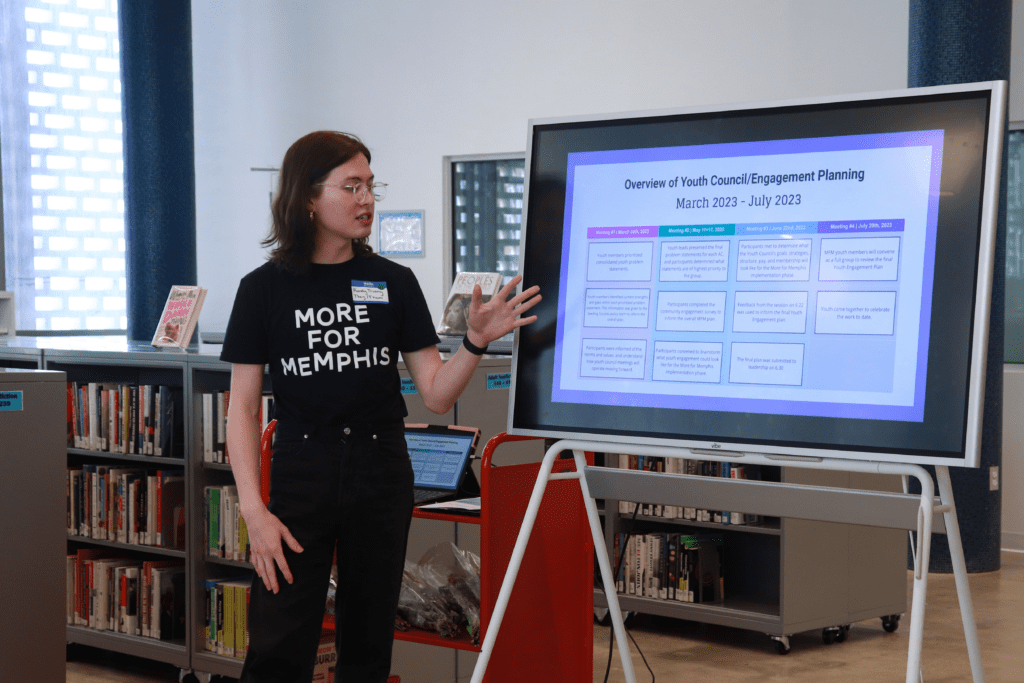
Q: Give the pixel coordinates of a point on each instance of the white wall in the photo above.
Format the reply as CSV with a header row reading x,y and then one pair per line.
x,y
420,80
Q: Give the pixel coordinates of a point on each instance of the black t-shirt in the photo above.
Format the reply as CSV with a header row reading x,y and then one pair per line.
x,y
331,338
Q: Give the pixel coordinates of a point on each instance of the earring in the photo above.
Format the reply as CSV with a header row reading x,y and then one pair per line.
x,y
310,216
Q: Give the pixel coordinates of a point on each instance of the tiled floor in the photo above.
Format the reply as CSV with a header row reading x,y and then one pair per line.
x,y
685,651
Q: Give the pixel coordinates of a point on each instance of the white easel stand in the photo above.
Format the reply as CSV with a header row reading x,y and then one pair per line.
x,y
925,513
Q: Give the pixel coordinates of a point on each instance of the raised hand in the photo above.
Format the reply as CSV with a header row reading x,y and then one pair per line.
x,y
496,318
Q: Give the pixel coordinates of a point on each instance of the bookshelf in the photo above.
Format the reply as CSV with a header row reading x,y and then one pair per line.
x,y
787,576
118,363
783,577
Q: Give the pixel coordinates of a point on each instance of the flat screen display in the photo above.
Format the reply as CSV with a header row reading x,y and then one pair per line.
x,y
792,278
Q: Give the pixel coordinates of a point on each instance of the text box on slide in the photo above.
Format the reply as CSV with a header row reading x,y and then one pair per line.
x,y
862,258
613,358
620,261
688,362
617,308
784,312
691,311
704,261
872,313
766,364
774,261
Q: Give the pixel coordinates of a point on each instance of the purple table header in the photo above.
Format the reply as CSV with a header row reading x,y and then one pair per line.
x,y
887,225
636,231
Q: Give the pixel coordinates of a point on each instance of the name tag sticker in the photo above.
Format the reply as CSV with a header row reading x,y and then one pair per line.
x,y
500,380
10,400
408,386
364,292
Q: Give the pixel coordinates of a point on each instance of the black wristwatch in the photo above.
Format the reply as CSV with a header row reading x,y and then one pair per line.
x,y
473,348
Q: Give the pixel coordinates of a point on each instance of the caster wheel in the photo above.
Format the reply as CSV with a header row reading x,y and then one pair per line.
x,y
844,633
829,635
782,645
891,623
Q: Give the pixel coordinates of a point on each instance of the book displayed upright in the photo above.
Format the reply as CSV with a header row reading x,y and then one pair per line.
x,y
454,321
178,320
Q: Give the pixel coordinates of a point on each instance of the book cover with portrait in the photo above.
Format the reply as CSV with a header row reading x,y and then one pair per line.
x,y
179,317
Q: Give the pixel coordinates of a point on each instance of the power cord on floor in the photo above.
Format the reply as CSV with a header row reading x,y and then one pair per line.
x,y
615,576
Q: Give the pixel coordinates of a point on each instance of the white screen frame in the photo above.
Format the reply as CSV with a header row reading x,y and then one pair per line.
x,y
983,284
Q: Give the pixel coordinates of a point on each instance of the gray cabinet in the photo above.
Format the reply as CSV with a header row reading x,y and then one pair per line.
x,y
32,495
788,575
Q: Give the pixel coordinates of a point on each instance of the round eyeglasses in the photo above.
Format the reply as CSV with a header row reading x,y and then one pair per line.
x,y
362,190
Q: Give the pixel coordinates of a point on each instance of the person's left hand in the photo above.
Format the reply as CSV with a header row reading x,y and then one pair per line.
x,y
496,318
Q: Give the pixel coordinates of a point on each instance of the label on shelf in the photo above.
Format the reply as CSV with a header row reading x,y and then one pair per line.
x,y
499,380
11,400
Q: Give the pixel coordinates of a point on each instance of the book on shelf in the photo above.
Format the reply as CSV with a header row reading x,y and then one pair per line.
x,y
227,609
688,467
226,534
107,592
151,587
126,504
179,317
126,419
167,620
214,424
670,566
454,320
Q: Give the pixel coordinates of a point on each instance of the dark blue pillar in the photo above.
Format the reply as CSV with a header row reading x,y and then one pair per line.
x,y
966,41
159,159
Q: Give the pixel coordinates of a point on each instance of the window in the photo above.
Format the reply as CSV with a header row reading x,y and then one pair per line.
x,y
1014,338
63,188
485,209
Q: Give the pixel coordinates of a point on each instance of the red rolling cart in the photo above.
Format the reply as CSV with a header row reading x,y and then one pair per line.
x,y
548,628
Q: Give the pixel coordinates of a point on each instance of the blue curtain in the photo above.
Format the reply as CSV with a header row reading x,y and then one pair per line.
x,y
159,159
966,41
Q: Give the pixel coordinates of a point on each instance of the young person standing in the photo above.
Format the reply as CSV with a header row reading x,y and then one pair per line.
x,y
329,318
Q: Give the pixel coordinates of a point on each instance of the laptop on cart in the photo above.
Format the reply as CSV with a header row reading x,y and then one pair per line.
x,y
441,460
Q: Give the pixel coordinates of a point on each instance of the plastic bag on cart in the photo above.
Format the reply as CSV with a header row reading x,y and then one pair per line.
x,y
455,574
332,591
422,605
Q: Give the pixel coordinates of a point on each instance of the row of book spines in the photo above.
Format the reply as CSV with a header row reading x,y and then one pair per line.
x,y
124,418
702,468
215,423
142,598
669,567
227,623
127,505
226,533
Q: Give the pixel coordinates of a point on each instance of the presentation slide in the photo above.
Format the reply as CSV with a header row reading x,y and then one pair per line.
x,y
770,274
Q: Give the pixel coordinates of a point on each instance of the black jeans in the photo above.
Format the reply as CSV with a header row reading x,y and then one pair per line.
x,y
350,485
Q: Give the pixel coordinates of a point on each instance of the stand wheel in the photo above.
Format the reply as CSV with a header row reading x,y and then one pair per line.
x,y
830,635
844,633
782,645
891,622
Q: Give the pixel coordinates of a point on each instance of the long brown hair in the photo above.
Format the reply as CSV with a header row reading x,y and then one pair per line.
x,y
307,163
